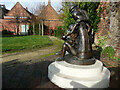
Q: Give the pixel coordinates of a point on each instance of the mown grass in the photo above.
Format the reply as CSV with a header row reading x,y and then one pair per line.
x,y
18,43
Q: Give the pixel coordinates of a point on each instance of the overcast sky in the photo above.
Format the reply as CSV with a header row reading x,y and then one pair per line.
x,y
56,4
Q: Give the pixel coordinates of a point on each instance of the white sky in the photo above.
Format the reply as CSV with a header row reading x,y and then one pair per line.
x,y
56,4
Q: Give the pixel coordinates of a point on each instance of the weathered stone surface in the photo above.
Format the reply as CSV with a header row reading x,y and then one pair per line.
x,y
110,22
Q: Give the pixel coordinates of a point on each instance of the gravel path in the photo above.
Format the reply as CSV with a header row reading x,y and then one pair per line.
x,y
34,54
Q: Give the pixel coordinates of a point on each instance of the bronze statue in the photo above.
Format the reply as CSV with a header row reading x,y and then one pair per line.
x,y
78,39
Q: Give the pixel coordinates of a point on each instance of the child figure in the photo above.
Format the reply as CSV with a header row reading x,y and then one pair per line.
x,y
70,45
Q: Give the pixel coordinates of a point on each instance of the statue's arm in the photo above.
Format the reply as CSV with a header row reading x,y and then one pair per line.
x,y
89,27
72,29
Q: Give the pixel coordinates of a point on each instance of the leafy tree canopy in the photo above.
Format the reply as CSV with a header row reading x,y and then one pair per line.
x,y
89,7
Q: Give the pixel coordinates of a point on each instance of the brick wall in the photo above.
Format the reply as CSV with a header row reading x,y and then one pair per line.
x,y
11,26
9,22
110,22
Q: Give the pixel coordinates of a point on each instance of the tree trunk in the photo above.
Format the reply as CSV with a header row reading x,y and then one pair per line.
x,y
42,28
14,30
33,28
17,28
25,28
39,28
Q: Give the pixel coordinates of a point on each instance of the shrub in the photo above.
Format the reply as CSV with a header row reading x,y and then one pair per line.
x,y
4,32
89,7
109,51
37,29
59,32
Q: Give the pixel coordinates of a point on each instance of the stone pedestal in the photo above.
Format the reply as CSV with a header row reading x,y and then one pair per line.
x,y
67,75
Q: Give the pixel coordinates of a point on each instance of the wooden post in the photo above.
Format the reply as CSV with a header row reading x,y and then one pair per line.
x,y
39,28
33,28
25,28
14,30
42,28
17,28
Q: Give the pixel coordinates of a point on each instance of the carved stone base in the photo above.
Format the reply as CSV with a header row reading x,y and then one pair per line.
x,y
77,61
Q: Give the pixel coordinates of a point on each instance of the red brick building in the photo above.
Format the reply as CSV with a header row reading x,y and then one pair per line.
x,y
17,20
51,19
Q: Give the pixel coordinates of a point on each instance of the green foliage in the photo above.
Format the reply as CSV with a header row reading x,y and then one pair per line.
x,y
59,32
109,52
37,29
89,7
68,17
14,44
102,41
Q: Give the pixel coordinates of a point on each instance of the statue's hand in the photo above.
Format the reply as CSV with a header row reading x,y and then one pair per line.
x,y
64,37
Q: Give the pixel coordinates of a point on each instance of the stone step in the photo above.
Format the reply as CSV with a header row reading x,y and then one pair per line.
x,y
81,71
64,80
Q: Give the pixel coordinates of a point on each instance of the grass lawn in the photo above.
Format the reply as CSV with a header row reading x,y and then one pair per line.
x,y
18,43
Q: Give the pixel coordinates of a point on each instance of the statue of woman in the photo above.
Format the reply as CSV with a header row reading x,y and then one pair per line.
x,y
79,46
84,50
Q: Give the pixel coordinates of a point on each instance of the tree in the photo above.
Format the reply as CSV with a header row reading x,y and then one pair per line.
x,y
38,10
67,17
89,7
41,15
33,19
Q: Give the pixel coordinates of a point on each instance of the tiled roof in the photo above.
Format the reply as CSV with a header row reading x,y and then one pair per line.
x,y
50,13
18,10
51,17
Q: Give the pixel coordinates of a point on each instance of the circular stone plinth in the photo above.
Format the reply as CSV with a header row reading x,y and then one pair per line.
x,y
80,71
67,75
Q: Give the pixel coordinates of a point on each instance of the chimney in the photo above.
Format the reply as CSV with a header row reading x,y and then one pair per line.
x,y
49,2
26,8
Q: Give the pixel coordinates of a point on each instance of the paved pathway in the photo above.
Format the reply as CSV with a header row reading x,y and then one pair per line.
x,y
28,69
27,74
